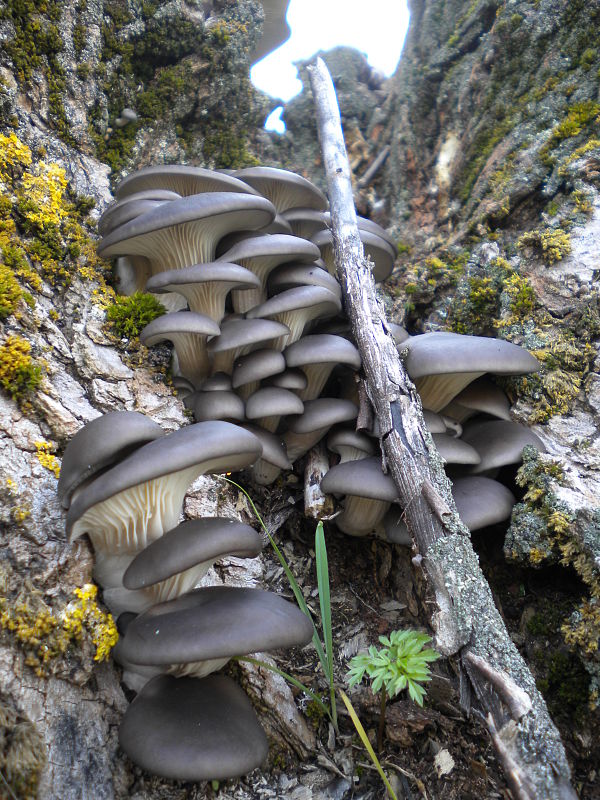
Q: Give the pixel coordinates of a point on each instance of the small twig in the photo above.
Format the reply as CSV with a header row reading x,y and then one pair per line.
x,y
517,781
364,420
436,502
517,699
364,602
381,726
329,765
370,173
417,781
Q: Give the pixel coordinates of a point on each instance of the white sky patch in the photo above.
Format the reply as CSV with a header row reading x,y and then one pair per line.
x,y
375,27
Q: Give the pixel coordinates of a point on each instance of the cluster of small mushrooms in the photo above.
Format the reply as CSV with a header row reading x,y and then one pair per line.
x,y
264,358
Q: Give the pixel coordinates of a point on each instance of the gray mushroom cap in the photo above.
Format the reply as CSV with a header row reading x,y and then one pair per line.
x,y
454,450
188,544
434,422
217,405
256,366
350,444
482,396
399,333
205,286
289,276
102,442
273,448
293,379
362,478
481,501
182,179
322,348
443,363
213,623
241,336
499,443
186,231
272,402
219,382
283,188
379,251
212,446
122,211
193,730
306,222
323,413
275,30
296,308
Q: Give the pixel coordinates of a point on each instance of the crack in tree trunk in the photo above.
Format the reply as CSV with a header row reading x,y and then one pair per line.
x,y
465,618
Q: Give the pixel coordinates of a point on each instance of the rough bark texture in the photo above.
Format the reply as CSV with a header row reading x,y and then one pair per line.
x,y
465,614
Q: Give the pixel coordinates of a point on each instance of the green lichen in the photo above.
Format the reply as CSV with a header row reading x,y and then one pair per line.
x,y
552,243
127,316
20,374
579,116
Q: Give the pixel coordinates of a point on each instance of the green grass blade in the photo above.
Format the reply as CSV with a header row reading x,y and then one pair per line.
x,y
365,740
286,676
289,574
325,604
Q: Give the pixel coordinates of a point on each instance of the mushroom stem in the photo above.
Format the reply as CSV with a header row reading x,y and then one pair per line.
x,y
361,516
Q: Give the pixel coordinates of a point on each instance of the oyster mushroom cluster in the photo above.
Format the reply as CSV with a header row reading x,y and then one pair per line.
x,y
123,481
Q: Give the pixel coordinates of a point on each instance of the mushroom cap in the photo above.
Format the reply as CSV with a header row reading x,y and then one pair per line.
x,y
482,501
454,450
289,276
188,229
283,188
274,451
134,205
217,446
178,322
182,179
212,623
193,730
102,442
241,333
362,478
219,382
267,251
279,225
434,422
175,280
343,439
322,348
323,413
272,401
217,405
188,544
442,353
482,396
499,442
306,222
399,333
293,379
315,300
379,251
256,366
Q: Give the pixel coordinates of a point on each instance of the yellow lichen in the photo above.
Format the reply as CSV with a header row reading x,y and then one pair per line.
x,y
46,457
44,189
20,375
554,243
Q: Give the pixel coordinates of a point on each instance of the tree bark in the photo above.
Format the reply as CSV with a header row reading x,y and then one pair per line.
x,y
465,619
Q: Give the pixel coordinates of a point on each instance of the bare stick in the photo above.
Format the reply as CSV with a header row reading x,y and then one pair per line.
x,y
316,504
464,608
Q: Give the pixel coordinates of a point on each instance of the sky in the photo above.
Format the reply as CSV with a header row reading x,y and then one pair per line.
x,y
375,27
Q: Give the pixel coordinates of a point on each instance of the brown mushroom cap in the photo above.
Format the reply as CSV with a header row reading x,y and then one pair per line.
x,y
186,231
377,249
164,468
213,623
295,308
193,730
188,331
205,286
101,443
443,363
191,543
283,188
182,179
499,443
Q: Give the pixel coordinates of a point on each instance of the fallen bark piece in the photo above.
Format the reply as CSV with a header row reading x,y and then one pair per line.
x,y
534,758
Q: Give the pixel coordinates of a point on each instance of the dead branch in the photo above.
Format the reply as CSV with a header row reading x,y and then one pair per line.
x,y
465,612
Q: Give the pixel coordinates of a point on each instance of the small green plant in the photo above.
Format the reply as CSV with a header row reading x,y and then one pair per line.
x,y
400,664
128,316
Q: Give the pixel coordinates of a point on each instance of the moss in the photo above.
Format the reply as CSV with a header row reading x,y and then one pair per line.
x,y
10,292
563,682
20,375
587,58
553,243
579,116
127,316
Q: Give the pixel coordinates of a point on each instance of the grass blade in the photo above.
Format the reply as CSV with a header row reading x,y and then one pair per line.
x,y
368,747
289,574
325,604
